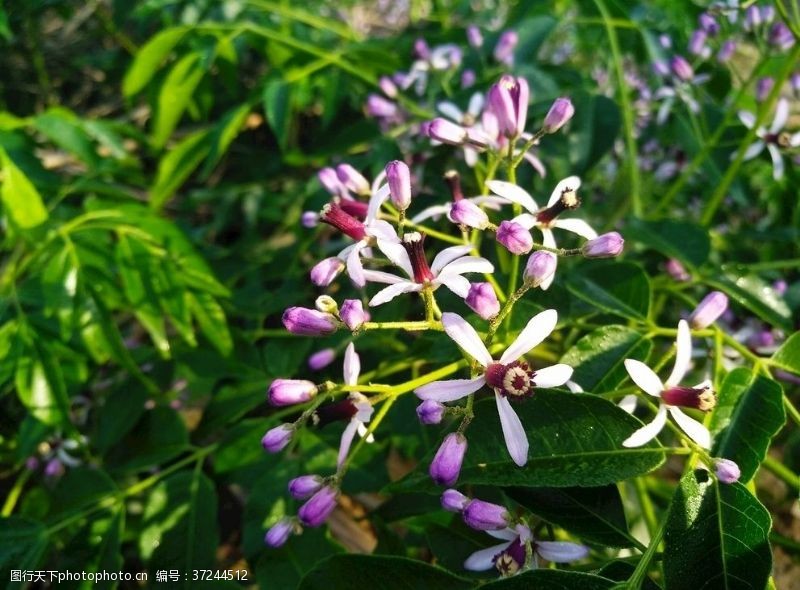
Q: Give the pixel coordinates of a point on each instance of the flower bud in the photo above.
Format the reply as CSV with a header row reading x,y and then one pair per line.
x,y
468,78
485,516
540,266
421,49
726,51
665,41
321,359
276,439
661,68
561,112
767,14
727,471
326,304
308,322
474,36
54,468
508,100
454,501
697,42
752,18
709,310
446,464
675,269
287,392
324,271
605,246
514,237
447,132
279,533
681,68
352,314
469,214
352,179
319,507
763,88
399,178
330,181
309,219
482,299
795,82
504,50
380,108
387,86
430,412
305,486
708,23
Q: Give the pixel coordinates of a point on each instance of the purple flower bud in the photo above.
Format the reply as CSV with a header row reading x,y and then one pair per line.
x,y
454,501
353,314
469,214
31,463
474,37
697,42
380,108
508,100
504,50
780,286
421,49
321,359
485,516
279,533
661,68
482,299
446,464
514,237
305,486
795,82
763,88
604,246
430,412
665,41
761,339
309,219
387,86
681,68
752,17
540,266
287,392
468,78
399,178
330,182
675,269
781,36
709,310
561,112
276,439
708,23
767,13
319,507
446,132
727,471
726,51
308,322
324,271
352,179
54,468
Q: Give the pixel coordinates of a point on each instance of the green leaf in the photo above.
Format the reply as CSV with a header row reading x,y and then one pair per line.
x,y
23,543
104,549
716,536
551,580
149,58
594,514
451,545
122,409
620,288
532,33
211,319
277,106
598,358
79,488
575,440
286,566
40,387
176,166
21,200
685,241
593,131
749,413
180,528
174,96
64,129
223,135
387,573
756,295
787,356
157,437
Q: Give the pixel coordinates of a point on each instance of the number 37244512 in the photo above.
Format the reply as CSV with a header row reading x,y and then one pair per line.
x,y
240,575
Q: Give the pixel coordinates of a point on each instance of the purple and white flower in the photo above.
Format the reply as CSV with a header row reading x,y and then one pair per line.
x,y
680,85
509,377
362,408
469,119
774,139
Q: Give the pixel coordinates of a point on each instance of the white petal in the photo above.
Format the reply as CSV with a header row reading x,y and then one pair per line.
x,y
352,365
535,162
484,559
747,118
628,403
379,180
696,431
450,390
387,294
397,254
663,111
435,211
777,161
513,193
456,283
552,376
475,104
576,226
644,377
354,267
382,229
507,534
513,431
466,337
491,202
794,140
347,440
561,551
466,264
378,276
754,149
377,199
362,431
447,255
569,183
470,156
549,240
683,354
781,116
526,220
450,110
649,431
574,387
539,327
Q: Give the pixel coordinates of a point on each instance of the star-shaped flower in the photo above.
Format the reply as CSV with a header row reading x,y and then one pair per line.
x,y
774,139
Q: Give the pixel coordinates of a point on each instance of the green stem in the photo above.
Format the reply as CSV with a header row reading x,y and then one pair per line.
x,y
639,574
782,472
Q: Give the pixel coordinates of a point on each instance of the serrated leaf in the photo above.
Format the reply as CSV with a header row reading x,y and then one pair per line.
x,y
716,536
598,358
749,413
149,58
174,96
756,295
685,241
788,355
21,200
620,288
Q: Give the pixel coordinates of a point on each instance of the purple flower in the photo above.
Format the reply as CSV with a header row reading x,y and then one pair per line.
x,y
399,178
676,270
726,51
380,107
353,179
727,471
387,86
276,439
305,486
482,300
514,237
795,82
752,18
309,219
308,322
605,246
661,68
709,310
468,78
446,464
708,23
540,266
287,392
560,112
447,132
681,68
321,359
279,533
485,516
504,50
474,37
508,100
421,49
325,271
763,88
330,181
352,314
774,139
454,501
697,43
358,407
430,412
54,468
468,213
319,507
